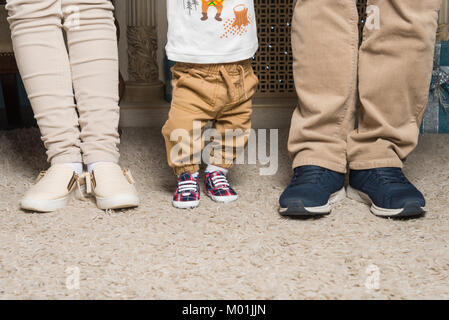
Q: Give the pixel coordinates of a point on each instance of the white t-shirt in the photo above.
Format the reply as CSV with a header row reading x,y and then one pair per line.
x,y
211,31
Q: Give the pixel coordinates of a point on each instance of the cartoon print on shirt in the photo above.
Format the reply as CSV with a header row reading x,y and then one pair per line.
x,y
237,26
218,4
233,26
190,5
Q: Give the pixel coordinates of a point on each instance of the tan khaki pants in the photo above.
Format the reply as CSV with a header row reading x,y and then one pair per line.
x,y
53,77
221,93
390,72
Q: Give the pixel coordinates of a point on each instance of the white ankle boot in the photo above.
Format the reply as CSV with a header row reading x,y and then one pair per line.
x,y
52,189
112,187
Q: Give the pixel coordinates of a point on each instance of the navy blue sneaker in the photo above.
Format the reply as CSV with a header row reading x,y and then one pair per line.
x,y
387,191
311,192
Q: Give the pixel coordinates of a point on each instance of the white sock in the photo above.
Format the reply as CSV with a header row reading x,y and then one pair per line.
x,y
91,166
195,175
75,166
211,168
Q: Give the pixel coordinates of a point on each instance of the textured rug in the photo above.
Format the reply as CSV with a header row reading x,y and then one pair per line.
x,y
242,250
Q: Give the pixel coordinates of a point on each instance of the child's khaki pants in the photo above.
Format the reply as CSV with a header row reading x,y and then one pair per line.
x,y
390,72
53,77
221,93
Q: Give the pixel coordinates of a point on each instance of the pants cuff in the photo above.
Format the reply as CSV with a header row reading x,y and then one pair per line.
x,y
372,164
223,165
67,158
101,157
186,169
338,167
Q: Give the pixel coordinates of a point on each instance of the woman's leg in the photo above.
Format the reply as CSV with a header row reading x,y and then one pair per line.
x,y
93,55
43,63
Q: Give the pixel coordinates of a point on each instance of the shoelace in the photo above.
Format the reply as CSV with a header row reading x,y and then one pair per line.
x,y
187,185
220,181
307,175
391,176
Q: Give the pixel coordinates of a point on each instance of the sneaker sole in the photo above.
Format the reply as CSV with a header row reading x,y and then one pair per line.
x,y
186,204
43,205
118,202
223,199
297,208
411,209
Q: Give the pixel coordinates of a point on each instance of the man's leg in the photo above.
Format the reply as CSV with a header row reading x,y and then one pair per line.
x,y
325,51
395,68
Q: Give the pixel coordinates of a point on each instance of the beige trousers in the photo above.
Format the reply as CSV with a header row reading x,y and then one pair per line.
x,y
88,129
390,73
221,93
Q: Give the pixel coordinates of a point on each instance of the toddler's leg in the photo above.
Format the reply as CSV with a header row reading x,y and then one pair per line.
x,y
191,109
233,124
235,121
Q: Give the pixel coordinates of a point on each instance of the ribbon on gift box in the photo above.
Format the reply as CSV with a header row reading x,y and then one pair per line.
x,y
439,94
439,86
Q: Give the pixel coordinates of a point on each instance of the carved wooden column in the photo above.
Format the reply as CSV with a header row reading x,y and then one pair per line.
x,y
143,70
443,22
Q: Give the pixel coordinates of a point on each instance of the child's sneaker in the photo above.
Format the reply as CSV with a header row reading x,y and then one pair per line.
x,y
218,188
187,194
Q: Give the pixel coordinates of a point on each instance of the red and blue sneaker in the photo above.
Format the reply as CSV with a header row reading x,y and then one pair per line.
x,y
218,188
187,194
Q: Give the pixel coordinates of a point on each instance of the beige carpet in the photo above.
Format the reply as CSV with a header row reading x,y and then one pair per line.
x,y
235,251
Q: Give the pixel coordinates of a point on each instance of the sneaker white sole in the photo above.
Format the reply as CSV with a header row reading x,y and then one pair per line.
x,y
414,210
118,202
44,205
223,199
186,204
315,211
